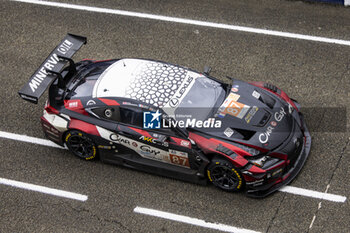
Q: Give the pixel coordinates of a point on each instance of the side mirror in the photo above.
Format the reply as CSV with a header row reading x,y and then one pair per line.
x,y
161,139
207,70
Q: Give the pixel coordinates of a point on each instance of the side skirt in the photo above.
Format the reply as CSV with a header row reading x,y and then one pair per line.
x,y
137,162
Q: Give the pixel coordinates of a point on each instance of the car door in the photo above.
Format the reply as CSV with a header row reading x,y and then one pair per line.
x,y
166,145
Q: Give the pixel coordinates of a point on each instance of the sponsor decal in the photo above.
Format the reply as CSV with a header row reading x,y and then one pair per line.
x,y
93,153
256,94
131,104
179,158
119,139
114,137
185,143
67,137
235,88
153,140
208,172
255,183
290,108
232,107
146,107
251,113
221,115
90,102
147,139
264,137
144,150
175,100
276,172
228,132
151,120
49,65
239,178
42,73
64,47
147,150
105,147
280,115
73,104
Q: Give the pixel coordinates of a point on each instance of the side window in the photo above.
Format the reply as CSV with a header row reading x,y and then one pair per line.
x,y
131,116
109,113
126,115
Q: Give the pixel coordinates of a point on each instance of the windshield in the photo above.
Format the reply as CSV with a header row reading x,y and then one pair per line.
x,y
202,99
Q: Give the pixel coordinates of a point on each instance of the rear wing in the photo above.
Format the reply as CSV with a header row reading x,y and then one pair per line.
x,y
51,68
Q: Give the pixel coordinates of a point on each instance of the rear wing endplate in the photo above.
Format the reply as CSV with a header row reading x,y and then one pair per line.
x,y
50,69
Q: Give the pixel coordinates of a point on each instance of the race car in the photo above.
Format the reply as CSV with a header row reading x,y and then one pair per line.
x,y
170,120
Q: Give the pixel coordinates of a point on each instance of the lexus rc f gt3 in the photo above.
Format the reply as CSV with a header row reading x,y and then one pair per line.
x,y
171,120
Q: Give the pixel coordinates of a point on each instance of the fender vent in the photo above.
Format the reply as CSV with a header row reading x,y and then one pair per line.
x,y
270,87
266,99
226,151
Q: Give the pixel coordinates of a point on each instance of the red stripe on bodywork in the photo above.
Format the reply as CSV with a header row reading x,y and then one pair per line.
x,y
102,60
181,142
140,131
83,126
278,155
236,149
109,102
254,169
248,178
255,147
210,145
205,144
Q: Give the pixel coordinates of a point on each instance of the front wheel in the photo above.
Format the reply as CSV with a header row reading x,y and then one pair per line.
x,y
81,145
224,175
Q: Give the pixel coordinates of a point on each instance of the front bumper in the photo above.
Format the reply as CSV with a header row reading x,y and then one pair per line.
x,y
266,189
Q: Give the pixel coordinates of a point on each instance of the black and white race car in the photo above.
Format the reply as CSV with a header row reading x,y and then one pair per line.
x,y
170,120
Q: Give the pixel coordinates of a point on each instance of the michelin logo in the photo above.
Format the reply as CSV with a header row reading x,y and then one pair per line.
x,y
49,65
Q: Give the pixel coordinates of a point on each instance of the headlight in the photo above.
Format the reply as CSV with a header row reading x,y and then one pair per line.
x,y
259,162
264,161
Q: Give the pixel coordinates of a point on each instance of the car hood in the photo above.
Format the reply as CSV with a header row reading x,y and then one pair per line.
x,y
252,115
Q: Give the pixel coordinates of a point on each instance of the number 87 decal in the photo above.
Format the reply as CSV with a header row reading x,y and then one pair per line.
x,y
179,160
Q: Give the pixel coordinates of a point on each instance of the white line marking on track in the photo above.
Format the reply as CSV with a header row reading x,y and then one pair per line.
x,y
188,21
319,207
189,220
42,189
314,194
25,138
287,189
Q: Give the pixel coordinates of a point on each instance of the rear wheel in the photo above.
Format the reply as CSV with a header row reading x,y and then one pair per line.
x,y
224,175
81,145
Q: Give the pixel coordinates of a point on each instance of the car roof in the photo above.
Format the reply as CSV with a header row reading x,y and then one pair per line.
x,y
148,81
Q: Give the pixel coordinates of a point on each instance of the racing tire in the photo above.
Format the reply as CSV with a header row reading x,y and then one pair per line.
x,y
225,175
81,145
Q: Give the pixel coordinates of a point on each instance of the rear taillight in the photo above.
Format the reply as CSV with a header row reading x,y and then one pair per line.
x,y
50,110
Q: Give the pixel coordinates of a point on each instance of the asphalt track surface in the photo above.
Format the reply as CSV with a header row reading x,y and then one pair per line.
x,y
316,74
